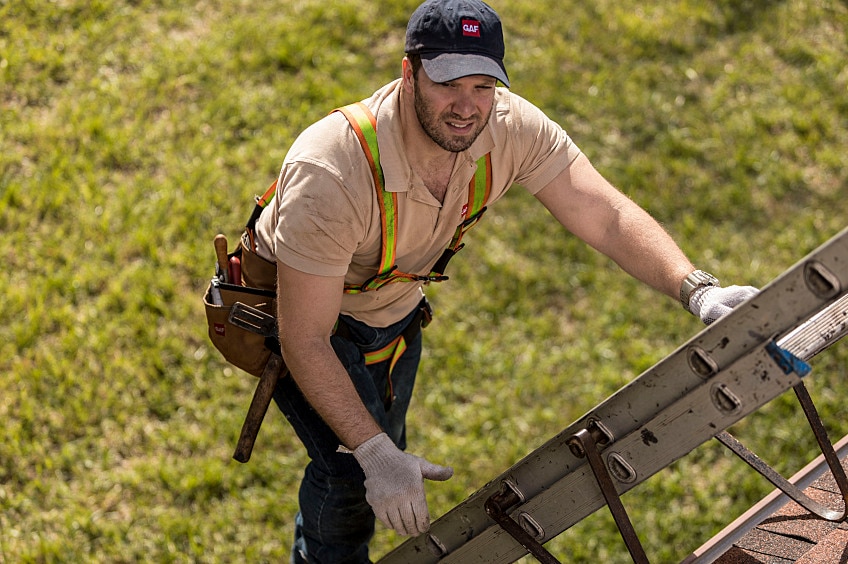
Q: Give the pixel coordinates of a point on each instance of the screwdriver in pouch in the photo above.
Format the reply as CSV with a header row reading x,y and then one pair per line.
x,y
235,271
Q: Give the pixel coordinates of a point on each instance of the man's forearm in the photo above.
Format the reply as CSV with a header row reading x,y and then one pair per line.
x,y
307,308
643,249
586,204
327,386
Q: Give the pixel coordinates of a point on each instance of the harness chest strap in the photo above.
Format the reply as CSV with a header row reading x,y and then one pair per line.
x,y
364,124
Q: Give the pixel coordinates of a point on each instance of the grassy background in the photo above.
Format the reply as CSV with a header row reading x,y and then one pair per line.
x,y
132,132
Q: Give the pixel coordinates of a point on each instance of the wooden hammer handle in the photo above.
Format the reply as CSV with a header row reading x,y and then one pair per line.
x,y
221,254
274,369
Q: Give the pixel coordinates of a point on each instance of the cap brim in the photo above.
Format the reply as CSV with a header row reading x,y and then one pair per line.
x,y
444,67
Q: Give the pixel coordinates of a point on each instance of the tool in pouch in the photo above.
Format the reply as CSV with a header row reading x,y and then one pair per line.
x,y
241,298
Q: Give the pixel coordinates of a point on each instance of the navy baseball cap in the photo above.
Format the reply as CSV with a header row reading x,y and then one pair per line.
x,y
457,38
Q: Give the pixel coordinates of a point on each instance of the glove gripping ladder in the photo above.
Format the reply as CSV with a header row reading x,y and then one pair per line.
x,y
727,371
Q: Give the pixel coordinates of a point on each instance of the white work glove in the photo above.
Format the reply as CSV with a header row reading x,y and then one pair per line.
x,y
394,484
712,302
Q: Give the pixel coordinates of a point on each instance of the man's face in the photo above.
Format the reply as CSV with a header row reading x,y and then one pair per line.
x,y
454,113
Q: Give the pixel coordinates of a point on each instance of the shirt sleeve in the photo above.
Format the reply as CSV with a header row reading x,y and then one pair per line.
x,y
543,148
319,225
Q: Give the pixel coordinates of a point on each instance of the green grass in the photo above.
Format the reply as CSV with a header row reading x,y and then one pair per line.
x,y
132,132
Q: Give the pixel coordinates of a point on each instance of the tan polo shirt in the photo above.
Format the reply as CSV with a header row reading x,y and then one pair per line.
x,y
325,220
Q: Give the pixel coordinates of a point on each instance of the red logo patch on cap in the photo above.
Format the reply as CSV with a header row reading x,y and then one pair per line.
x,y
470,28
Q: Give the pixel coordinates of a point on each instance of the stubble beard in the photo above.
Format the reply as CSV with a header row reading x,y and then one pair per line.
x,y
432,124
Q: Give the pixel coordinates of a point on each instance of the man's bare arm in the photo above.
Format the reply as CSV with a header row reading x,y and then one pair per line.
x,y
394,481
308,307
590,207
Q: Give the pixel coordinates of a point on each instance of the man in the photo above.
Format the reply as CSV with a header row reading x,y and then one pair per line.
x,y
325,231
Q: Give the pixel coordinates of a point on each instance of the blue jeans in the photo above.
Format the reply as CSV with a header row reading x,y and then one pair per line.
x,y
335,523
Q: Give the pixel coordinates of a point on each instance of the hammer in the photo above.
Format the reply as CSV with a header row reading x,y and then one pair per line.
x,y
259,406
261,323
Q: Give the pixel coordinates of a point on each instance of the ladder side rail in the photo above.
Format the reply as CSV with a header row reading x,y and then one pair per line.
x,y
713,406
791,298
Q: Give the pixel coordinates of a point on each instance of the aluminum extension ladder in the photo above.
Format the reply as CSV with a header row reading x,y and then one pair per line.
x,y
724,373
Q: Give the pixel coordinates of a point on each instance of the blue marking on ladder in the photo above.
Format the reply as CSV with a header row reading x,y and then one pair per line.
x,y
787,361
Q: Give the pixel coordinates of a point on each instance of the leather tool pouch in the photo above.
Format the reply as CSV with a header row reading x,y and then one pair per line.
x,y
243,348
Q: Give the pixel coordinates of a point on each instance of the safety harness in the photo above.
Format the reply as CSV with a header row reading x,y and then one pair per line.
x,y
364,124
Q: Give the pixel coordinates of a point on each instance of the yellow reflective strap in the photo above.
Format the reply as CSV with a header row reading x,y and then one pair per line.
x,y
378,281
387,352
478,194
268,195
399,350
481,186
393,351
364,124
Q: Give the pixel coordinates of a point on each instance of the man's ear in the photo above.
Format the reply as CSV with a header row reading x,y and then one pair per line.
x,y
407,74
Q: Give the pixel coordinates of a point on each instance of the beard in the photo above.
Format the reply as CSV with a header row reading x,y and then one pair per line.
x,y
434,125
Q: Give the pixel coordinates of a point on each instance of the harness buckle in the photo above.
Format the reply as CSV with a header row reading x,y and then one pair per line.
x,y
432,278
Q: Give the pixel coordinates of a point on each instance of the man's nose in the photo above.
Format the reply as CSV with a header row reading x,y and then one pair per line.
x,y
463,105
